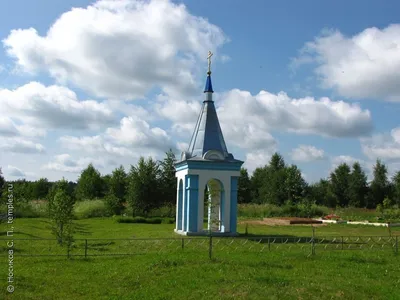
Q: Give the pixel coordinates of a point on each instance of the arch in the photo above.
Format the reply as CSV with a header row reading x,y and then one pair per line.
x,y
179,217
215,203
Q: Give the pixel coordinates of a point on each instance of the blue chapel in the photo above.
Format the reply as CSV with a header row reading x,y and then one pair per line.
x,y
207,168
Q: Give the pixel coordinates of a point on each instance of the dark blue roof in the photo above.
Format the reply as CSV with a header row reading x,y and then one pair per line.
x,y
208,87
207,134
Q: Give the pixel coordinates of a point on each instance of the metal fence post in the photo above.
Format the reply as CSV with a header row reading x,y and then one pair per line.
x,y
86,248
342,243
210,248
183,243
269,244
313,241
397,245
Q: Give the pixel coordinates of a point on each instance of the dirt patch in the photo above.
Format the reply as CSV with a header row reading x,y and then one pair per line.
x,y
284,221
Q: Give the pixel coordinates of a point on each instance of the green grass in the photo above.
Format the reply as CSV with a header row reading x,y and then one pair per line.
x,y
108,228
336,275
189,274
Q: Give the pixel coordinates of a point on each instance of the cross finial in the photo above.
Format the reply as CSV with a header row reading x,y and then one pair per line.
x,y
209,61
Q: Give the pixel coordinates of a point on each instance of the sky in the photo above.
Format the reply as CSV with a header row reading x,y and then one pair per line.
x,y
106,82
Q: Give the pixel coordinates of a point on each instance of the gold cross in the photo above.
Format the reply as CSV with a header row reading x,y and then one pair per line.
x,y
209,61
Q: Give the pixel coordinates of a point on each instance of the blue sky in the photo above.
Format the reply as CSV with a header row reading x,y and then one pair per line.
x,y
108,81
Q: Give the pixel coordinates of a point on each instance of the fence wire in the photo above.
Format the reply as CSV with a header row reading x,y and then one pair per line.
x,y
211,245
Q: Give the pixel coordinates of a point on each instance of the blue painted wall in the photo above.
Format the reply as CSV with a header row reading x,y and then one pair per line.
x,y
233,217
192,198
233,166
180,205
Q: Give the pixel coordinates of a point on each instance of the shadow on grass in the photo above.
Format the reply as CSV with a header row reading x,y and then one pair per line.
x,y
20,232
291,239
82,229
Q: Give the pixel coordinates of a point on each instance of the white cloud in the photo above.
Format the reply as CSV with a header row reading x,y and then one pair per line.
x,y
135,132
361,66
367,166
133,138
306,115
94,145
182,113
14,171
8,128
347,159
120,49
21,146
247,120
257,158
53,107
305,153
66,163
384,146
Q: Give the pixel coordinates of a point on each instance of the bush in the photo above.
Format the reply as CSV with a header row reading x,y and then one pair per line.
x,y
167,211
258,210
114,204
303,210
392,215
91,209
32,209
145,220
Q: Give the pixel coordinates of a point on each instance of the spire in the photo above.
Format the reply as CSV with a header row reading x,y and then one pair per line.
x,y
208,88
207,135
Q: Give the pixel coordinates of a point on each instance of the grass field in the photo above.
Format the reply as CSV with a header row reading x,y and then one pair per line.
x,y
191,275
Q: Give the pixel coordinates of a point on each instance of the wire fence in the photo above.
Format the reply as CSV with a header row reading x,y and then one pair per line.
x,y
211,245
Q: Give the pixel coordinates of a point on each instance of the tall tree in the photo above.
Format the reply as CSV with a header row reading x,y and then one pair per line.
x,y
257,181
396,188
61,213
41,188
321,193
168,179
339,179
143,186
379,187
63,184
118,184
273,189
358,186
244,187
106,179
90,184
2,183
295,184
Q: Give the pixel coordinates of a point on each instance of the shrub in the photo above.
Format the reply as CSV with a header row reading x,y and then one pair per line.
x,y
114,204
304,210
167,211
32,209
91,209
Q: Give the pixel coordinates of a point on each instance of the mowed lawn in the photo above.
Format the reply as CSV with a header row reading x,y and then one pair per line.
x,y
351,274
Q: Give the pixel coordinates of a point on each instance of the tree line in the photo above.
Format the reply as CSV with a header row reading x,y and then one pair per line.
x,y
147,185
278,183
151,184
